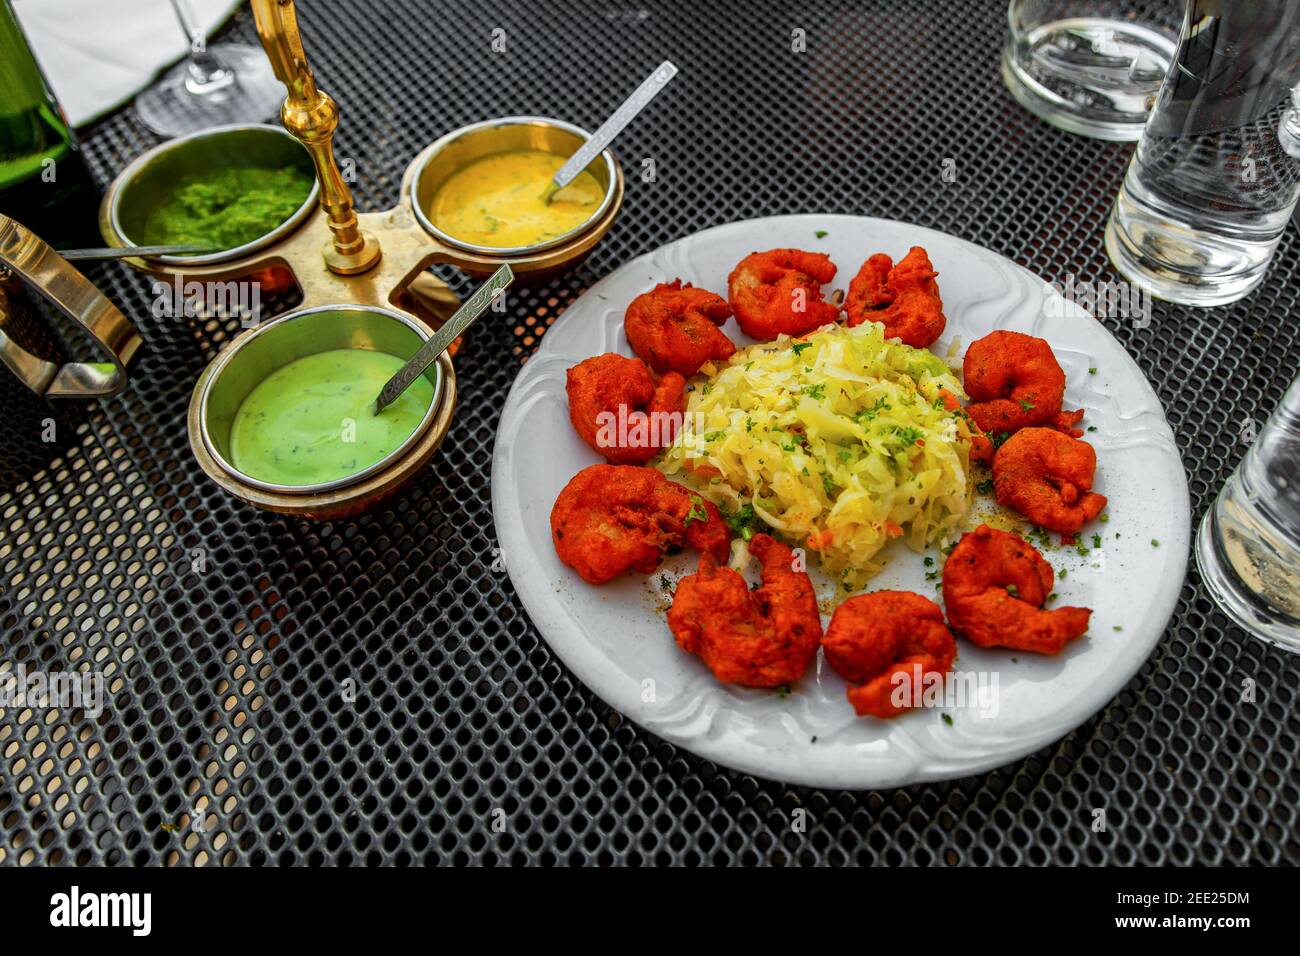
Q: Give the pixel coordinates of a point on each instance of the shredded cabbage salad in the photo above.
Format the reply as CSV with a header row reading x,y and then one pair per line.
x,y
839,442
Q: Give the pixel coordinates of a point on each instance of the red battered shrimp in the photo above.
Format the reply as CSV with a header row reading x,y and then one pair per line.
x,y
615,518
994,586
1047,477
1014,381
875,637
904,297
618,409
761,638
780,292
674,327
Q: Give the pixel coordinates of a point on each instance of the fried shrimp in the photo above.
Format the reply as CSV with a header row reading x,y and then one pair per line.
x,y
1047,477
779,292
875,639
674,327
760,638
1014,381
994,587
904,297
617,408
615,518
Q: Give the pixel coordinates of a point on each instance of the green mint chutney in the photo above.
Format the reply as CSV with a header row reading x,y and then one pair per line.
x,y
313,420
227,208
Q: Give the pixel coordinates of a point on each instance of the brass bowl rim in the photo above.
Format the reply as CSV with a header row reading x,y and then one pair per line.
x,y
222,361
440,144
113,199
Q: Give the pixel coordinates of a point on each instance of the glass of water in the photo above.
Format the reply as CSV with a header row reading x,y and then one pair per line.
x,y
1248,547
1216,175
1090,66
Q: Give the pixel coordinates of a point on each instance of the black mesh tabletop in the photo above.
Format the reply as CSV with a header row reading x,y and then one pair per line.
x,y
371,690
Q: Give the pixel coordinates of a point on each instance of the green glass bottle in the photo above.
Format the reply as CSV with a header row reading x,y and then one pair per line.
x,y
44,181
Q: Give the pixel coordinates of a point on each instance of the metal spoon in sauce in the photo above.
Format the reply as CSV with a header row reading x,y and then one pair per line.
x,y
474,306
601,139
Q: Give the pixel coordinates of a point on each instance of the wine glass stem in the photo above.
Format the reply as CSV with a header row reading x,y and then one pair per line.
x,y
206,73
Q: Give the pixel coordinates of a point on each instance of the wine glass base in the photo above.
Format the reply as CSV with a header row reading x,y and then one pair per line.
x,y
170,108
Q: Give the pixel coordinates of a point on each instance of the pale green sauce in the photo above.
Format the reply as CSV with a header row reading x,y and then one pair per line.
x,y
313,420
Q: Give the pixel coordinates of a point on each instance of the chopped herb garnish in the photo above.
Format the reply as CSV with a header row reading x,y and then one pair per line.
x,y
742,521
697,512
1013,590
908,435
868,414
817,392
798,347
947,720
985,487
1154,542
821,234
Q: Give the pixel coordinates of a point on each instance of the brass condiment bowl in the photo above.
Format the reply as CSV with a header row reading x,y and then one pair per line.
x,y
258,351
441,159
148,179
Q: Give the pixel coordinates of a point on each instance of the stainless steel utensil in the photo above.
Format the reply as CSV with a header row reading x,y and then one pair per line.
x,y
603,136
126,252
474,306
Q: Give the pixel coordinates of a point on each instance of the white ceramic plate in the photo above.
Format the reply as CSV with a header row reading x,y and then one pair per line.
x,y
615,637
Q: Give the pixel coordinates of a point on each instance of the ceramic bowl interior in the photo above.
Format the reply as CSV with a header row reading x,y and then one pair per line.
x,y
509,134
152,177
295,335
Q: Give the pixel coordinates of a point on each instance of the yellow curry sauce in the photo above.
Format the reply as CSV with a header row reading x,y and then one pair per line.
x,y
498,200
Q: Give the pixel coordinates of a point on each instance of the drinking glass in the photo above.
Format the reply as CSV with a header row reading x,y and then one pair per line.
x,y
215,85
1216,174
1248,546
1090,66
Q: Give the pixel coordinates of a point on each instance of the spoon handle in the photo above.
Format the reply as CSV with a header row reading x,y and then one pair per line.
x,y
126,252
634,104
474,306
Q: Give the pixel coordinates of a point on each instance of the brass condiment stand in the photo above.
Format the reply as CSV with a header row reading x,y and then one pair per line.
x,y
339,256
342,260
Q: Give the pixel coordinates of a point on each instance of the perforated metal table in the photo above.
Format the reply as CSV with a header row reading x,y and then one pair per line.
x,y
371,691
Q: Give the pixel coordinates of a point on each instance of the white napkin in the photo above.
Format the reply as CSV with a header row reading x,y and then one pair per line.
x,y
97,54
